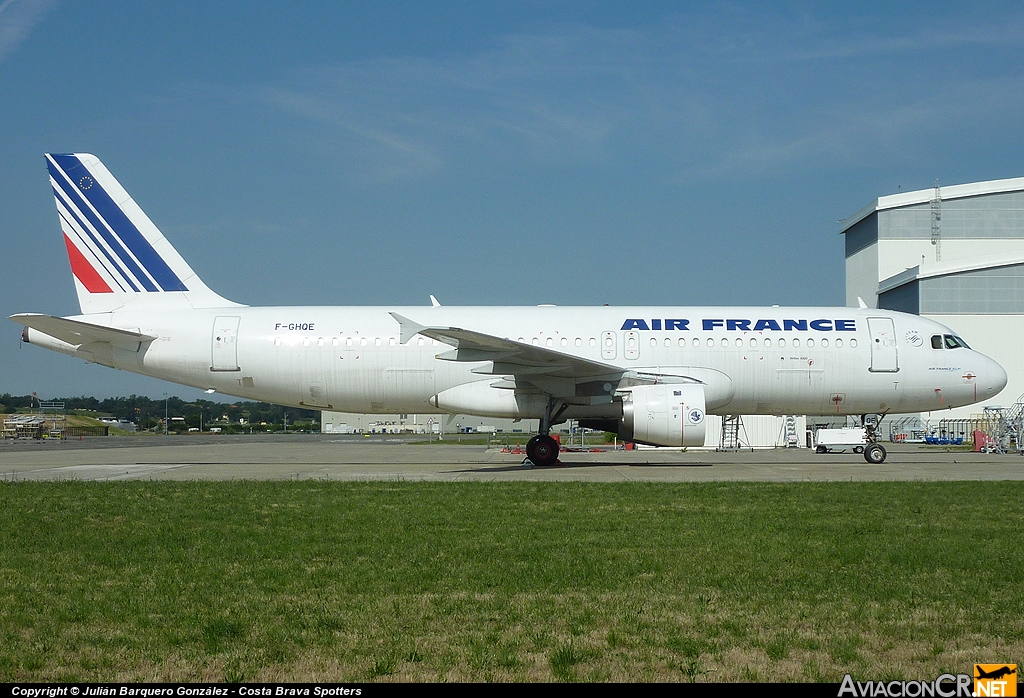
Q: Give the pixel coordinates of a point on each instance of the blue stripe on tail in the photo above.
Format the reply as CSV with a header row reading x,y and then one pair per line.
x,y
81,224
120,224
74,231
79,203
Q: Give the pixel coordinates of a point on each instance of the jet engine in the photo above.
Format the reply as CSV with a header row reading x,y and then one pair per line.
x,y
667,414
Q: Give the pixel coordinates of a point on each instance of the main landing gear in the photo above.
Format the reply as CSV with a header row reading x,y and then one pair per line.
x,y
542,450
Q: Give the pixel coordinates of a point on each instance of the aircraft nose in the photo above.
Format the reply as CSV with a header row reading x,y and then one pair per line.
x,y
994,377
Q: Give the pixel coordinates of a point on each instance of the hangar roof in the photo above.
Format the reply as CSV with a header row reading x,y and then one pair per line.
x,y
923,196
945,268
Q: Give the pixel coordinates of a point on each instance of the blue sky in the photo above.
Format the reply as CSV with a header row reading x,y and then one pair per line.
x,y
491,153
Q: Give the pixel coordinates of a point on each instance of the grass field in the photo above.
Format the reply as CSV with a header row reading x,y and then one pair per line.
x,y
309,580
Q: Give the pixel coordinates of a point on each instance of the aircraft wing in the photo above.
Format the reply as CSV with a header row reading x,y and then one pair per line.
x,y
553,372
76,333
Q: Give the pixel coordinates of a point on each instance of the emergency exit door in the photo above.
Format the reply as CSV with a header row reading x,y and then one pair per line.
x,y
631,344
608,345
883,345
225,344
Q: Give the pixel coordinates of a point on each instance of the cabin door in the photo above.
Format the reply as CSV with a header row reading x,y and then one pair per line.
x,y
883,345
225,344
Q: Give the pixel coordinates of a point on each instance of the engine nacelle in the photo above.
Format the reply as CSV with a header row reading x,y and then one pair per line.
x,y
667,414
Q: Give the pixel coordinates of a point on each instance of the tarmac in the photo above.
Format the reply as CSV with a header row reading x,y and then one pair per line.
x,y
355,458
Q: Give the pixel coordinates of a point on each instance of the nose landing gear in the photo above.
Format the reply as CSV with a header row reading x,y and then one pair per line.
x,y
874,452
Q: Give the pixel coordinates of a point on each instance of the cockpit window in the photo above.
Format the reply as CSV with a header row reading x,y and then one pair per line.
x,y
961,340
952,342
936,341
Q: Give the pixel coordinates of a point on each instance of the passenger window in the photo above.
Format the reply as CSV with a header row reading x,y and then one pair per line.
x,y
936,341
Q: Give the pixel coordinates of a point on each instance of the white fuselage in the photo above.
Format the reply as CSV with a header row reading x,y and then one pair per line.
x,y
752,360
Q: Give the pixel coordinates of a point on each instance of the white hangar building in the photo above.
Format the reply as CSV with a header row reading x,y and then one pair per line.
x,y
954,254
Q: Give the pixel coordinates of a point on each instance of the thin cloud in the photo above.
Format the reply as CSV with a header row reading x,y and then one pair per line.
x,y
717,95
17,18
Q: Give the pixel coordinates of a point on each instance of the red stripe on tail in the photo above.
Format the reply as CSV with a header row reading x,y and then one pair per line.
x,y
84,271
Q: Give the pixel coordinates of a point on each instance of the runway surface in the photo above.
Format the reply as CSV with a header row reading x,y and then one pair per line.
x,y
327,457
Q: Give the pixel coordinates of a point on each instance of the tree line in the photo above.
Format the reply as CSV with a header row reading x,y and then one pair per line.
x,y
148,412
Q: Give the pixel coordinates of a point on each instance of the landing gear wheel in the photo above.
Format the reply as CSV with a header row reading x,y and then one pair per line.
x,y
874,454
542,450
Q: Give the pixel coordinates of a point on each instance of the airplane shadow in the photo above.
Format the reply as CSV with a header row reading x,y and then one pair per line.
x,y
560,465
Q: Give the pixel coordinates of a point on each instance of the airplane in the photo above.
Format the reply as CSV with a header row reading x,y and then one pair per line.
x,y
999,673
650,374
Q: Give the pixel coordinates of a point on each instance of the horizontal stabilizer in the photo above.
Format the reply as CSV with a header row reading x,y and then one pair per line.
x,y
76,333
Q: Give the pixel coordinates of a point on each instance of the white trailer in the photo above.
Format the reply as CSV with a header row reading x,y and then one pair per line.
x,y
829,440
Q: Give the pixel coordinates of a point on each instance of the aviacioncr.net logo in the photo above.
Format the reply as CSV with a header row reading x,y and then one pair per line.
x,y
945,686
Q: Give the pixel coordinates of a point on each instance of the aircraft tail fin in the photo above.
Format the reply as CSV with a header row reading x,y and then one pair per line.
x,y
119,258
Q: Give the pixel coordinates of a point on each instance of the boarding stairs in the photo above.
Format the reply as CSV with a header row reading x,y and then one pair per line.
x,y
731,425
